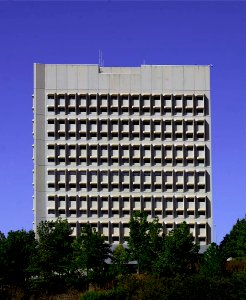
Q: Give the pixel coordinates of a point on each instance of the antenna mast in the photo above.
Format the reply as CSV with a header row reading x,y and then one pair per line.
x,y
101,61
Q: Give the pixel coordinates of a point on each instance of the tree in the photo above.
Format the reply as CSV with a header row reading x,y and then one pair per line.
x,y
120,259
16,251
144,240
178,254
2,256
211,261
234,243
90,253
54,248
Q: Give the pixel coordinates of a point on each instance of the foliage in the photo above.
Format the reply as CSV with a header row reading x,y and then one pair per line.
x,y
114,294
211,262
145,287
144,240
16,251
51,264
54,247
56,263
2,256
90,253
235,266
119,259
179,253
234,243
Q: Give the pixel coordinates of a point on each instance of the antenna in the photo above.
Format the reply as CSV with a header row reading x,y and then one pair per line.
x,y
99,57
101,61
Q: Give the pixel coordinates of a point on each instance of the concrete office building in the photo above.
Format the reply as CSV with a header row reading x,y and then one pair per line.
x,y
109,141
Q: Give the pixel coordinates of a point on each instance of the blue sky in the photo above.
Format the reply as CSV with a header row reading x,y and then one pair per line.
x,y
127,33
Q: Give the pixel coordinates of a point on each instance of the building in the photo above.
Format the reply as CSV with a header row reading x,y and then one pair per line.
x,y
112,140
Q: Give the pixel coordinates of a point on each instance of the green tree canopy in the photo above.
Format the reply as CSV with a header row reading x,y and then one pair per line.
x,y
54,248
211,262
144,240
119,259
16,251
179,253
234,243
90,253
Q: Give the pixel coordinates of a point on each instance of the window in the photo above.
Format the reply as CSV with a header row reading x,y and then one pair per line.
x,y
114,126
157,106
103,128
189,152
147,180
93,103
146,154
168,129
168,155
104,180
104,154
136,180
71,103
135,101
50,103
104,103
93,128
124,103
125,180
169,181
178,108
114,155
167,104
125,130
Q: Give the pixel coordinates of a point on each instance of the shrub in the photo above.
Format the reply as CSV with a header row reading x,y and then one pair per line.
x,y
114,294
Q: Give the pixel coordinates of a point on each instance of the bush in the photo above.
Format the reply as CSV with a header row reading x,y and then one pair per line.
x,y
145,287
238,265
114,294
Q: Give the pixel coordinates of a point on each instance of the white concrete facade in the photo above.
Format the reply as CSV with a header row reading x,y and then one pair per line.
x,y
112,140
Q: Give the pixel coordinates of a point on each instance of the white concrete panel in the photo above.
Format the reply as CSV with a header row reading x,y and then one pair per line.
x,y
125,83
83,78
61,77
50,76
189,78
39,101
207,78
135,83
40,207
40,122
39,152
178,78
126,70
103,81
40,178
179,92
93,77
105,70
167,78
146,79
114,83
156,78
39,76
72,77
199,78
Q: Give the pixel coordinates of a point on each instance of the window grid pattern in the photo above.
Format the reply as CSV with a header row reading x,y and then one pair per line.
x,y
127,129
133,104
128,152
106,207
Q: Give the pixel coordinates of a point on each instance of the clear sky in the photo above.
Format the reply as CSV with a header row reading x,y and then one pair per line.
x,y
128,34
